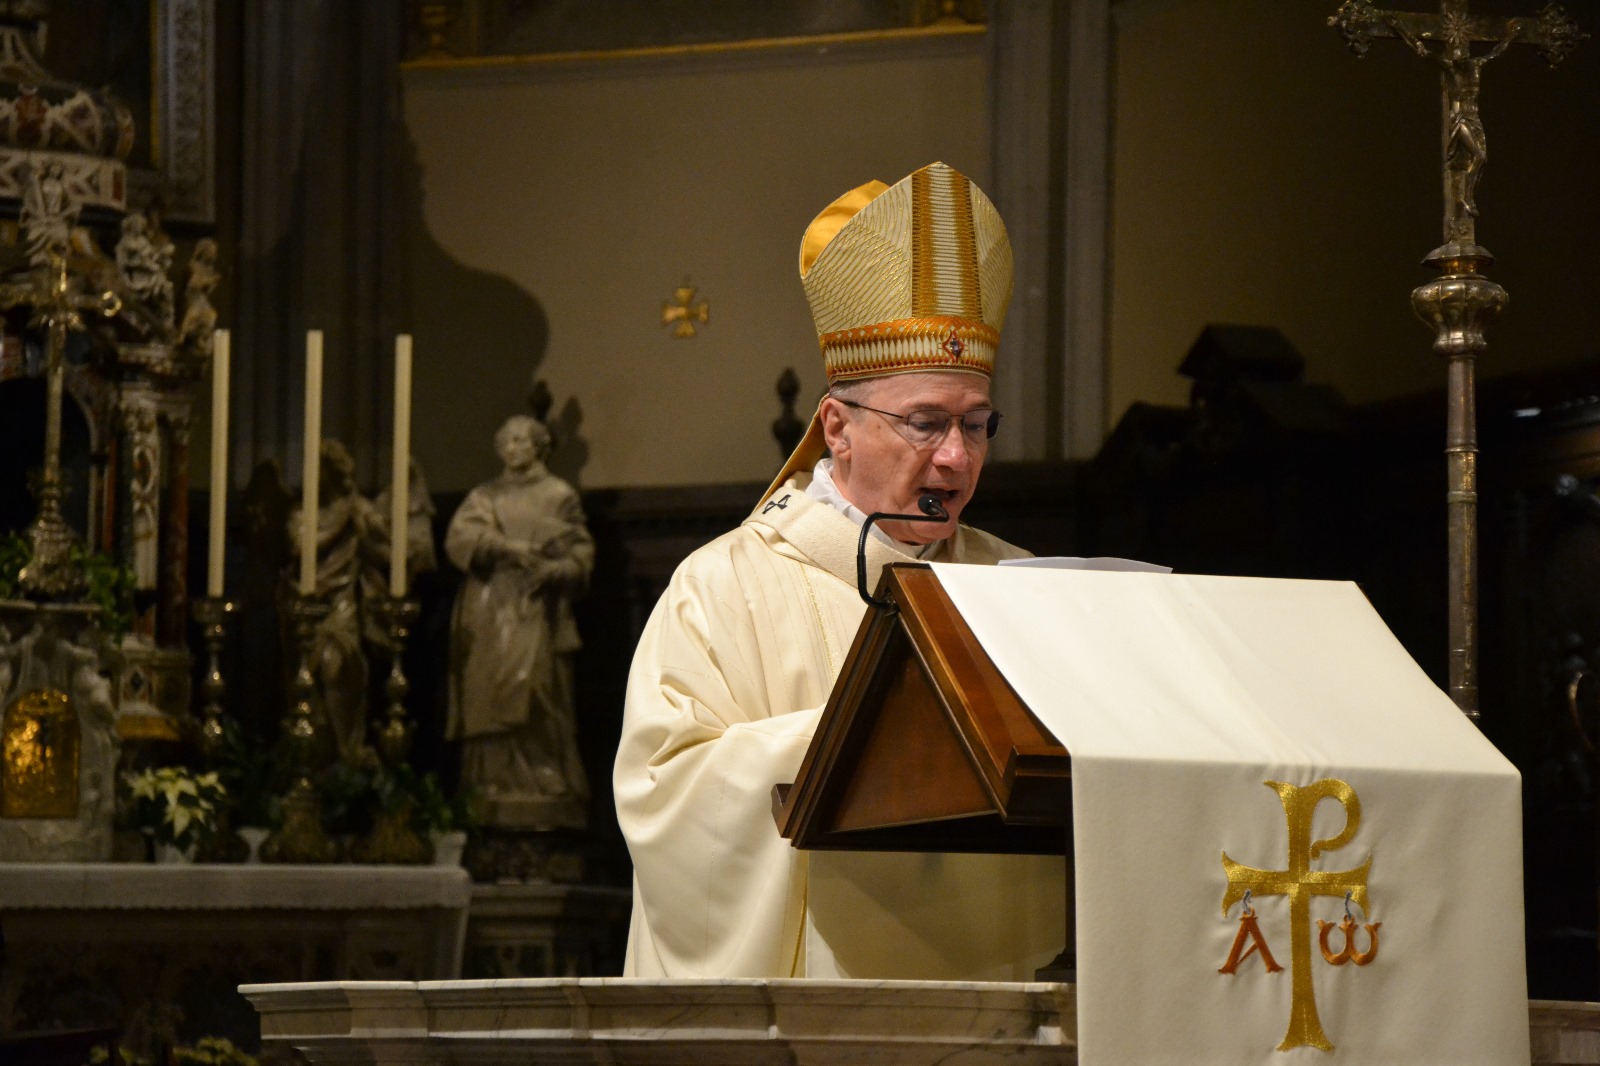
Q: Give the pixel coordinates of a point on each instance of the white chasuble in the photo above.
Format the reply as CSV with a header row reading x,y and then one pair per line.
x,y
1240,735
727,685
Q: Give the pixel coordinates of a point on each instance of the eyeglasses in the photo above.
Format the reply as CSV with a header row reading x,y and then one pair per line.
x,y
922,428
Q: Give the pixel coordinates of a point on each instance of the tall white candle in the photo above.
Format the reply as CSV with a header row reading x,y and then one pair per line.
x,y
219,461
313,464
400,486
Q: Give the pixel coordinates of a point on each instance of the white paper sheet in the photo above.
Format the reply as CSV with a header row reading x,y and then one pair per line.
x,y
1102,562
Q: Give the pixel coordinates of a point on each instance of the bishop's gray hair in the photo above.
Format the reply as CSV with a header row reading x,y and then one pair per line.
x,y
856,391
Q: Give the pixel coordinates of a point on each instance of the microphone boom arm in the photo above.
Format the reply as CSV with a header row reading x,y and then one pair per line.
x,y
932,511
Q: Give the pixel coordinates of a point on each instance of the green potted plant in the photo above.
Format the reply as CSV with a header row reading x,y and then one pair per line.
x,y
445,819
174,808
347,794
393,837
249,773
108,584
207,1051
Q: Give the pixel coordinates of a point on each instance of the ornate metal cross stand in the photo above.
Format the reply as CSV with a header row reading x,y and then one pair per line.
x,y
1460,303
54,296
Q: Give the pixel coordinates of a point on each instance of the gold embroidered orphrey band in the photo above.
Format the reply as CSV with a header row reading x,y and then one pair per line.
x,y
1300,882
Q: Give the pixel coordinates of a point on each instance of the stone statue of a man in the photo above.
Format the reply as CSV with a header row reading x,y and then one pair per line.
x,y
522,541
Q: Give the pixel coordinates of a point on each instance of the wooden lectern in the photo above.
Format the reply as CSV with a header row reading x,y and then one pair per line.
x,y
923,746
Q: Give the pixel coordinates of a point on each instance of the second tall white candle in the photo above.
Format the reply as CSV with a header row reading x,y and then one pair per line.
x,y
400,485
313,464
219,462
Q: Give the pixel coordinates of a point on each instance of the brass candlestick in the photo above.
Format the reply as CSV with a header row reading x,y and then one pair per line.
x,y
395,615
393,840
300,838
211,612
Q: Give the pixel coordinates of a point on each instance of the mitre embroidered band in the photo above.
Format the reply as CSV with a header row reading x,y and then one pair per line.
x,y
1290,845
895,347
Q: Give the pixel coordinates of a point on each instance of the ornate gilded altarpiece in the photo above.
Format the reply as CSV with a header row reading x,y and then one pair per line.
x,y
115,100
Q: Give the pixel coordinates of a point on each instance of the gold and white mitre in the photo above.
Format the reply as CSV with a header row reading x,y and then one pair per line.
x,y
904,278
911,277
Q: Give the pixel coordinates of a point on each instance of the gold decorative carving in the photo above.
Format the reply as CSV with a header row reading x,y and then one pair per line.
x,y
148,727
681,312
39,737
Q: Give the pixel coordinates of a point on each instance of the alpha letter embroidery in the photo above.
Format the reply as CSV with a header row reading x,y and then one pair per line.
x,y
1300,882
1249,929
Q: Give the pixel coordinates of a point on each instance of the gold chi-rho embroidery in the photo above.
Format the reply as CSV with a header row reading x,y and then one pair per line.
x,y
1300,882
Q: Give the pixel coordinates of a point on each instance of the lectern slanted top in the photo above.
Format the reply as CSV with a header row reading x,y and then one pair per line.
x,y
924,746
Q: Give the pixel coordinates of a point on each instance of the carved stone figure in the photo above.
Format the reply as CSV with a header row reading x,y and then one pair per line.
x,y
142,435
199,314
144,256
47,214
522,541
349,540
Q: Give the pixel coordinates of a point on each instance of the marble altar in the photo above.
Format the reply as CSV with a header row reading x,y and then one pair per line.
x,y
707,1023
723,1023
543,929
137,945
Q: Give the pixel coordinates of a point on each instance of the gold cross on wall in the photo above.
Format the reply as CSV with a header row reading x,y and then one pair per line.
x,y
682,312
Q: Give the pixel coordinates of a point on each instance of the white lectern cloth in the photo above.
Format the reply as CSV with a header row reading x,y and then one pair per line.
x,y
1178,697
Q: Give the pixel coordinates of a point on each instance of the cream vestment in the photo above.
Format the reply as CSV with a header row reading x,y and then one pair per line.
x,y
730,676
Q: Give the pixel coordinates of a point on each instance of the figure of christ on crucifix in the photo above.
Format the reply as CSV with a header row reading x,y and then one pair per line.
x,y
1465,149
1447,39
